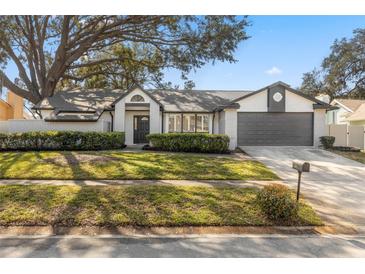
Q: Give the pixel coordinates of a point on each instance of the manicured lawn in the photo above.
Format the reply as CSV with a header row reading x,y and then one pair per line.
x,y
136,205
123,165
356,156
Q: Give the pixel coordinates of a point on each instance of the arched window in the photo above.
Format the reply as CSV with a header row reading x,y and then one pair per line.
x,y
137,98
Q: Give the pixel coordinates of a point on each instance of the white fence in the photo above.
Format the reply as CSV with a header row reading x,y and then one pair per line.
x,y
41,125
346,135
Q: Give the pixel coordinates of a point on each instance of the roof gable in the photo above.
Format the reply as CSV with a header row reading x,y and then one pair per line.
x,y
288,88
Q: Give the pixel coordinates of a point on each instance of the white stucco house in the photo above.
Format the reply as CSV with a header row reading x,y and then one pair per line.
x,y
347,112
276,115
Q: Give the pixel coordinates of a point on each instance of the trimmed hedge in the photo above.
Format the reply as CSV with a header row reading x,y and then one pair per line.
x,y
277,202
327,141
190,142
61,140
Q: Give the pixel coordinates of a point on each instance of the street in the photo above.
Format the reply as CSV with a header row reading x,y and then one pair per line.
x,y
188,246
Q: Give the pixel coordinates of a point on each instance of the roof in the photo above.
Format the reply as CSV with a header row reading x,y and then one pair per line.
x,y
358,115
88,105
81,99
195,100
351,104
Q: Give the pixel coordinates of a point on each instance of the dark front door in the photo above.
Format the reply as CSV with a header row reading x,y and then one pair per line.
x,y
141,125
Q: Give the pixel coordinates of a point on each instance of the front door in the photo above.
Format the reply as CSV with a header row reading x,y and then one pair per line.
x,y
141,126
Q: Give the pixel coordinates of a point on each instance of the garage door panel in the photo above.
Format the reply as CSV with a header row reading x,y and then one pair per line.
x,y
275,129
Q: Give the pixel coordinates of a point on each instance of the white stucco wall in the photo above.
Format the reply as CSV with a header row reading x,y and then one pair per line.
x,y
230,122
319,127
338,116
41,125
296,103
254,103
123,119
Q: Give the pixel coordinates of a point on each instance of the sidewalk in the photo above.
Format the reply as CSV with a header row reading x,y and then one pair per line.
x,y
206,183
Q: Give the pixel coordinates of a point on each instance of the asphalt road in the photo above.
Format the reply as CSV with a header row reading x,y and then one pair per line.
x,y
192,246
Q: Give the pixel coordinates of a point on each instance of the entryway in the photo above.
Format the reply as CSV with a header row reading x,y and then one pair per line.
x,y
141,127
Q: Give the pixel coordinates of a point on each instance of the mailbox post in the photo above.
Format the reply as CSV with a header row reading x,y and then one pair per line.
x,y
300,167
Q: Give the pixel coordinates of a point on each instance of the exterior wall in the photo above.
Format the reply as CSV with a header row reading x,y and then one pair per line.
x,y
216,123
45,113
41,125
17,104
338,116
129,125
5,110
254,103
12,108
230,121
296,103
123,118
319,125
357,123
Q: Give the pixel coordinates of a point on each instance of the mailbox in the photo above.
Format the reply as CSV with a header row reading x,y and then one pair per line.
x,y
301,166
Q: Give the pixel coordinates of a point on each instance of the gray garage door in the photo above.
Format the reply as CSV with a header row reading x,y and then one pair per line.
x,y
275,129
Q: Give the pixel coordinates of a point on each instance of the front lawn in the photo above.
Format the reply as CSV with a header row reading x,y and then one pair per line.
x,y
356,156
123,165
137,206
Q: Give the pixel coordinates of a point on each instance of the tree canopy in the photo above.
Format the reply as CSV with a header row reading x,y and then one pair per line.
x,y
52,52
342,73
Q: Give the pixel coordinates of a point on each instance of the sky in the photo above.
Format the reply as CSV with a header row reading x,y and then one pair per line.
x,y
281,48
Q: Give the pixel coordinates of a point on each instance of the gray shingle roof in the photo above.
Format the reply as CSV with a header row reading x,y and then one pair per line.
x,y
81,99
195,100
97,100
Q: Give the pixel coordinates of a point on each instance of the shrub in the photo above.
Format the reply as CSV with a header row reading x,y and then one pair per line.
x,y
327,141
190,142
277,202
61,140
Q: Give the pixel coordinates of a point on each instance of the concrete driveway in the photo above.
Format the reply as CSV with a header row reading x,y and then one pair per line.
x,y
335,186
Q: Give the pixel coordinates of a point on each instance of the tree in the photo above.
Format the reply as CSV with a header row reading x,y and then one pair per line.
x,y
312,83
50,52
342,73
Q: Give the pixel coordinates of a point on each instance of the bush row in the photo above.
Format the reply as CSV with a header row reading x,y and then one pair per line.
x,y
61,140
190,142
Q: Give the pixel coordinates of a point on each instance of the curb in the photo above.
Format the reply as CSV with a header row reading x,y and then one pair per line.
x,y
172,231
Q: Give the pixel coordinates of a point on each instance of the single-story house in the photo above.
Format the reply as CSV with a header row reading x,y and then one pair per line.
x,y
349,112
276,115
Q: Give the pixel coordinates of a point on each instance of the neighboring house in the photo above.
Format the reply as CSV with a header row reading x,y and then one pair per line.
x,y
274,115
12,108
350,112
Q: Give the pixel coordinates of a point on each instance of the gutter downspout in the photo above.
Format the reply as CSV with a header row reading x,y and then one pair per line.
x,y
112,123
213,122
162,121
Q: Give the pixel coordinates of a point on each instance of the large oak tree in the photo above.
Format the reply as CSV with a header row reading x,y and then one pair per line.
x,y
342,73
51,52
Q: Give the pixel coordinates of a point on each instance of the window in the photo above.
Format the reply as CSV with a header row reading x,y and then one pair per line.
x,y
202,123
189,123
175,123
137,98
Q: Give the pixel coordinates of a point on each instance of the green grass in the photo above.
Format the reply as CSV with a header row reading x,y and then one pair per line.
x,y
356,156
137,206
122,165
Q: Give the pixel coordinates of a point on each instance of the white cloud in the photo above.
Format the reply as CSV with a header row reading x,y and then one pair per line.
x,y
274,71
